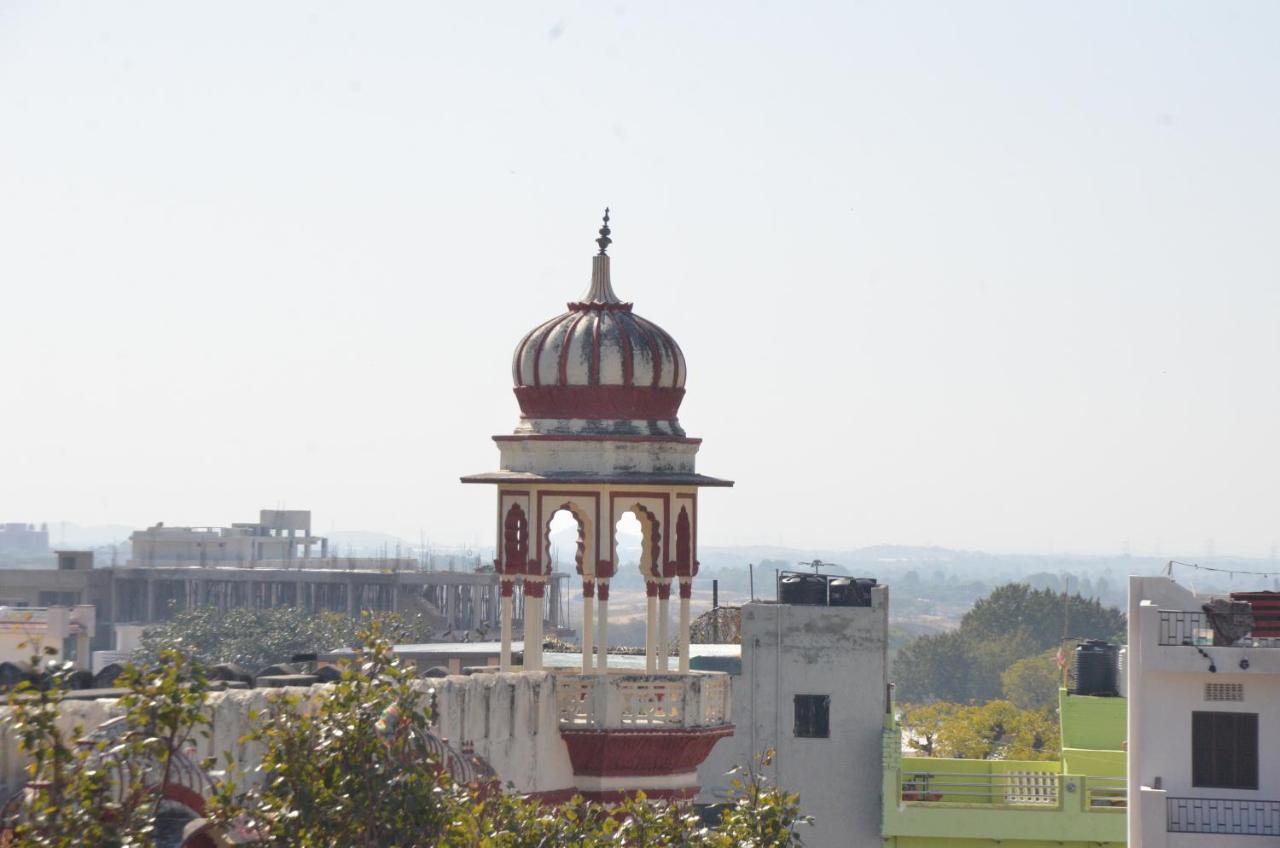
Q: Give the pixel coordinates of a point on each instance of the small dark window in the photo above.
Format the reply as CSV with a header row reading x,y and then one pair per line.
x,y
813,716
1224,750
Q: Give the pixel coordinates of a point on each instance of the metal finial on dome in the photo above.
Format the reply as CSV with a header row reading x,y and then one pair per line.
x,y
604,241
601,289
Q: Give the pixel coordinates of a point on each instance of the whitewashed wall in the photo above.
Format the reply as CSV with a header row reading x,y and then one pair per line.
x,y
795,649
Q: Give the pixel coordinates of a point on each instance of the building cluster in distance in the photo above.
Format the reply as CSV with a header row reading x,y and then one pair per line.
x,y
1163,741
17,539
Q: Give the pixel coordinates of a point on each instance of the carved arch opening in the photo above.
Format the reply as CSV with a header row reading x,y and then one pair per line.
x,y
584,564
650,563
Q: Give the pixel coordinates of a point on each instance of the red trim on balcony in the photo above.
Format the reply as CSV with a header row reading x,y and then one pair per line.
x,y
641,753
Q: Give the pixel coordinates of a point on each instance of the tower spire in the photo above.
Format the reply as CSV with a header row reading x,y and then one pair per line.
x,y
604,241
601,290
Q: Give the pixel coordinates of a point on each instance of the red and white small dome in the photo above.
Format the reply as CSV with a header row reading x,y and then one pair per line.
x,y
600,366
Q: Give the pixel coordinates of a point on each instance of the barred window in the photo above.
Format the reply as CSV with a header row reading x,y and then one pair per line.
x,y
1224,750
813,716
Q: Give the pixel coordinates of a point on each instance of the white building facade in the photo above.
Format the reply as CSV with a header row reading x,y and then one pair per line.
x,y
1204,724
813,689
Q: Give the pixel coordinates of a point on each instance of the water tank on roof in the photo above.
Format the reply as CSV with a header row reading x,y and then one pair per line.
x,y
795,587
851,591
1095,668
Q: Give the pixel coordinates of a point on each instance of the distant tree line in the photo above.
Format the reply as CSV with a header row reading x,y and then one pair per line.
x,y
1006,640
256,638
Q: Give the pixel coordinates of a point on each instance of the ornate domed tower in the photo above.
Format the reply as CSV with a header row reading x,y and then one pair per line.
x,y
599,389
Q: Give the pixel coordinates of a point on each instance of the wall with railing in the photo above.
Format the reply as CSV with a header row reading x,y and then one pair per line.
x,y
937,800
1191,628
1226,816
649,701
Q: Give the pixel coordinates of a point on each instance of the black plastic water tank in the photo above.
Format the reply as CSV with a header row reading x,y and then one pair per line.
x,y
805,589
1095,668
851,591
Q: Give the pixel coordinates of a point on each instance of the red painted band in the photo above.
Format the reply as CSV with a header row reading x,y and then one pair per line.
x,y
647,403
686,590
588,437
602,591
588,588
534,588
664,591
651,588
507,587
635,753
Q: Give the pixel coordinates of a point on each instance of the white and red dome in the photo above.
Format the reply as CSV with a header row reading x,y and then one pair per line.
x,y
600,362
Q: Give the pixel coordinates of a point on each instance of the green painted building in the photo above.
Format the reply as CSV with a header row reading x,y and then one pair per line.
x,y
1076,802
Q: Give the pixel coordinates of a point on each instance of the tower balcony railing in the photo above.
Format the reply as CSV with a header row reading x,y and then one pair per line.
x,y
636,700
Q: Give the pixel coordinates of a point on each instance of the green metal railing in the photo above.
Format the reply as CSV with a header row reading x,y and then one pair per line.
x,y
1021,789
1040,790
1106,794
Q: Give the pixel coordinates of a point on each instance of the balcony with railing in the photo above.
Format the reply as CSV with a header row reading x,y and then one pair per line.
x,y
1006,784
1197,641
935,798
622,725
628,700
1224,816
1189,628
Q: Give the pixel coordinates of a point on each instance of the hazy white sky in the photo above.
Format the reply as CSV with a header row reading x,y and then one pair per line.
x,y
993,275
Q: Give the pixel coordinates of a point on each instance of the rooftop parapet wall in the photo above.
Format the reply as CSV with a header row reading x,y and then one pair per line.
x,y
513,720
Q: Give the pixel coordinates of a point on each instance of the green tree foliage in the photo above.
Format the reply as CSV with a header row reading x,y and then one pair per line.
x,y
924,725
1038,616
1032,683
1012,623
107,792
348,770
996,730
256,638
934,668
354,768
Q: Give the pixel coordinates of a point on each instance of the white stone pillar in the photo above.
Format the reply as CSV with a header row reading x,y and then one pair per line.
x,y
533,591
602,643
664,618
651,626
588,602
686,592
506,614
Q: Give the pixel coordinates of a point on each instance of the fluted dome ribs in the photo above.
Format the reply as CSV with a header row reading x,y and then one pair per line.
x,y
599,361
